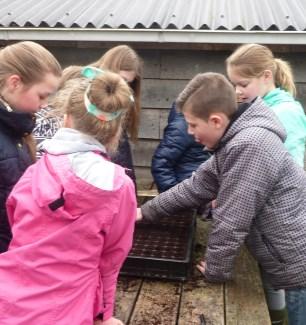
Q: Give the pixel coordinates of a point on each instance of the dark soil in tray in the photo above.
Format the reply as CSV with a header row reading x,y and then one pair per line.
x,y
163,249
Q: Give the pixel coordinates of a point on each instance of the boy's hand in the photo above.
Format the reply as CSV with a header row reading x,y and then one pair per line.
x,y
138,215
201,266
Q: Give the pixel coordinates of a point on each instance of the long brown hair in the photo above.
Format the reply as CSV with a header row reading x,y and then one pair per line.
x,y
123,57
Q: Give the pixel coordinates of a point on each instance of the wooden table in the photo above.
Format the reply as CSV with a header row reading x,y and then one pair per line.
x,y
153,302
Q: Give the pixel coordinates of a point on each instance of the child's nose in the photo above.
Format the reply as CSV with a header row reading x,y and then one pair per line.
x,y
43,104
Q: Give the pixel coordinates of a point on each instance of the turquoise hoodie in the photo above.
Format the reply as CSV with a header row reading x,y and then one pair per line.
x,y
292,116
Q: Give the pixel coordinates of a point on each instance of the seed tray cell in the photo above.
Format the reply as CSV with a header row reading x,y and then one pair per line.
x,y
162,249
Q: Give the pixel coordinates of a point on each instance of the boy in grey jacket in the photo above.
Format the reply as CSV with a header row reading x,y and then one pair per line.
x,y
260,191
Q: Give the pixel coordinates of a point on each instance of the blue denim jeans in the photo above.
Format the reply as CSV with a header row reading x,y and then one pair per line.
x,y
296,306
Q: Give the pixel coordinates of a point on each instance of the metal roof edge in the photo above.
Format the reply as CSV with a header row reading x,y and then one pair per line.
x,y
153,35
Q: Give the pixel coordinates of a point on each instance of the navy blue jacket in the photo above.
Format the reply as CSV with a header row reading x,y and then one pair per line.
x,y
177,155
14,159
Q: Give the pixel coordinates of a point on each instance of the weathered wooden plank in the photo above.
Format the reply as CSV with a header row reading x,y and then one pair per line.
x,y
297,63
157,303
151,60
126,295
301,94
163,122
149,124
200,297
143,152
160,93
76,56
152,123
144,177
147,193
186,64
244,297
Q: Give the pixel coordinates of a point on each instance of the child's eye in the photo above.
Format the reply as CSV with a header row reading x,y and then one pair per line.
x,y
243,83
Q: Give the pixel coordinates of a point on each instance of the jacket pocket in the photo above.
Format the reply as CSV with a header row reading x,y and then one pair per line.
x,y
272,250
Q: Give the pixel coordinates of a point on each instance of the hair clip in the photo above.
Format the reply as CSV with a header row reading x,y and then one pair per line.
x,y
91,72
94,110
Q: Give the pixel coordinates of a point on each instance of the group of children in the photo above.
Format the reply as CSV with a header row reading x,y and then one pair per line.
x,y
71,214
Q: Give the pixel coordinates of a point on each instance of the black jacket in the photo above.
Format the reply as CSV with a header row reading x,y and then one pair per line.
x,y
177,155
14,159
124,158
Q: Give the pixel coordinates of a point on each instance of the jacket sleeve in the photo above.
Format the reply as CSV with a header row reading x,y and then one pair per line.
x,y
118,242
171,148
9,174
248,175
193,192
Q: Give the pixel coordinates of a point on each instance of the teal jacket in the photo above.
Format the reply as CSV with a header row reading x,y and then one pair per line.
x,y
290,112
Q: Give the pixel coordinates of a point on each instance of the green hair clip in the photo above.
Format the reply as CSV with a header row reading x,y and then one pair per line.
x,y
91,72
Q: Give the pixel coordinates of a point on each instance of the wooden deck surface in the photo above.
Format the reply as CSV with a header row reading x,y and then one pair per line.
x,y
153,302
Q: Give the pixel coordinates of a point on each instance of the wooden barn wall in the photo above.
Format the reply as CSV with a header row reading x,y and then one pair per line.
x,y
166,72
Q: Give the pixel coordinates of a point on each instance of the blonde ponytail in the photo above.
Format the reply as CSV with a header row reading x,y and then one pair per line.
x,y
284,77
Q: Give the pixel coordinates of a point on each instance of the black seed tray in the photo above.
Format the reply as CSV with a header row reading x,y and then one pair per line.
x,y
163,249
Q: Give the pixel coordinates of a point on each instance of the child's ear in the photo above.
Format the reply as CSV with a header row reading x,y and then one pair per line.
x,y
219,120
216,120
268,75
13,81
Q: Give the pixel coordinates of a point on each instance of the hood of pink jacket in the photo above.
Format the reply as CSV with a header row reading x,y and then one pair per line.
x,y
72,154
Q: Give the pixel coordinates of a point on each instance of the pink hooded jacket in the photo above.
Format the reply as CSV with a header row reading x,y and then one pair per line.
x,y
72,216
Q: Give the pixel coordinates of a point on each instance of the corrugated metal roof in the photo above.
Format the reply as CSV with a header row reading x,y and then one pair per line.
x,y
211,15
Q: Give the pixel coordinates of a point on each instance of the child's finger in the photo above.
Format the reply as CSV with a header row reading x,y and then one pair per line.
x,y
201,268
138,215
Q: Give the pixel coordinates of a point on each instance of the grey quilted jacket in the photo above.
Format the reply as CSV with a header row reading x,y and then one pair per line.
x,y
261,200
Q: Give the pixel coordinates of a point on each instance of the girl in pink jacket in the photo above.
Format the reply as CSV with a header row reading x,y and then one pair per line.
x,y
72,214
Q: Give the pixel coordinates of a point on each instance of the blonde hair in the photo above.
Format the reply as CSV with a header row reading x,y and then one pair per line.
x,y
29,60
208,93
251,60
70,72
109,93
123,57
